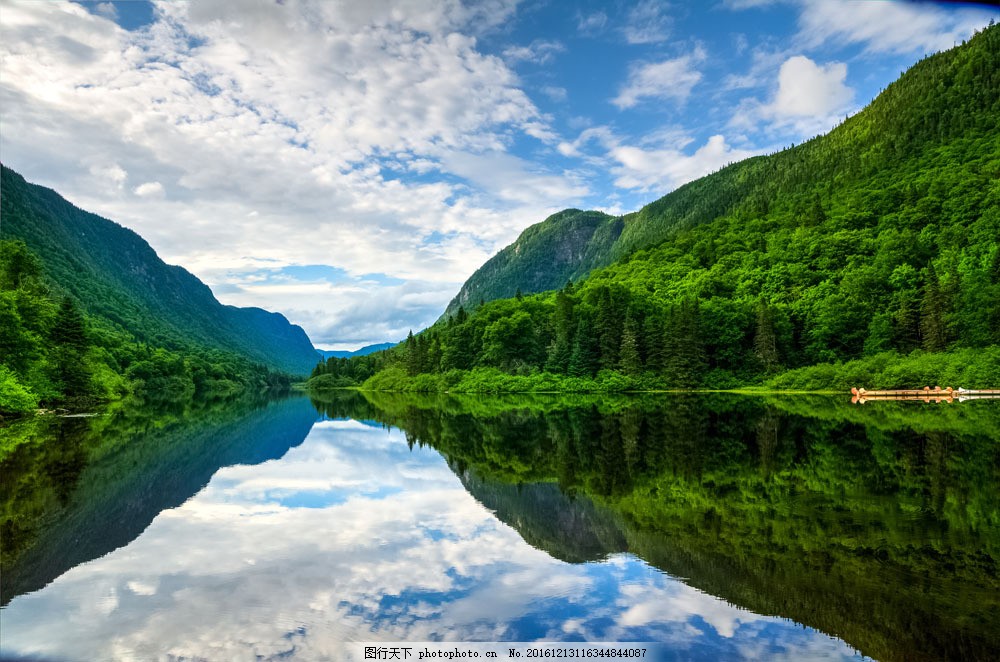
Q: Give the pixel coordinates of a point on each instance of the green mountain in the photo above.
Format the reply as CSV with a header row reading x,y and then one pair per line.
x,y
116,276
565,246
945,107
871,250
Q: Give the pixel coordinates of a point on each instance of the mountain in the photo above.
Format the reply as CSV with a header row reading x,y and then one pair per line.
x,y
944,100
870,254
364,351
565,246
115,275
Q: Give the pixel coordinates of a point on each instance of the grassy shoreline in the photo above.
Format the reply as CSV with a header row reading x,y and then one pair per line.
x,y
968,368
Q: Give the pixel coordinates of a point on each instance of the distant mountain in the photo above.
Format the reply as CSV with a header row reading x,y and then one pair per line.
x,y
116,275
565,246
364,351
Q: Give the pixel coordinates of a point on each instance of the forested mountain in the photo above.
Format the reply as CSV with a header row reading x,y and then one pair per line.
x,y
945,98
878,243
565,246
113,273
89,312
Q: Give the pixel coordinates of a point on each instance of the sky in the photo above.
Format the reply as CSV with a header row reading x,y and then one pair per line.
x,y
350,164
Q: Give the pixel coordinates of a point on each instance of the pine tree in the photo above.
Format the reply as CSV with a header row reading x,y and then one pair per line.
x,y
561,348
629,359
585,358
411,355
69,345
765,342
685,351
933,333
653,337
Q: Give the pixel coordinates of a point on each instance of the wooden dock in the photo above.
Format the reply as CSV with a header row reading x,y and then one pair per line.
x,y
926,394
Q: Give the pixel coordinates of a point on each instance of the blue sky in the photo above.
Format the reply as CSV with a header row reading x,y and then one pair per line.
x,y
351,164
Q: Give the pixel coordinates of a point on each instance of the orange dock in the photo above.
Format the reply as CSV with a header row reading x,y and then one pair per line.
x,y
926,394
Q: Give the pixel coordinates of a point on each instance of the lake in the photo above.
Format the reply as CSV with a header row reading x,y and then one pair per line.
x,y
720,526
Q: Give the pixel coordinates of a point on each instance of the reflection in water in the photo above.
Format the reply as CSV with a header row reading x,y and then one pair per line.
x,y
876,529
878,526
74,489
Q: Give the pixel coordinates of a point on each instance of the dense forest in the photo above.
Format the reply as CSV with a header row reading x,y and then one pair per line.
x,y
89,312
51,352
869,255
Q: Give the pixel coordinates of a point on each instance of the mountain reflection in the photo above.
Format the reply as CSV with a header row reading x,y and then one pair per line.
x,y
716,525
878,526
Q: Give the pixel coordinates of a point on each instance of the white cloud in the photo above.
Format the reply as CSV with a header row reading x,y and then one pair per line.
x,y
148,189
810,99
660,164
670,80
107,10
665,169
540,51
751,4
304,120
591,23
555,93
647,23
806,89
888,27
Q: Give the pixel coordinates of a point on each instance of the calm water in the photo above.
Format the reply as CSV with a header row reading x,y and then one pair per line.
x,y
724,527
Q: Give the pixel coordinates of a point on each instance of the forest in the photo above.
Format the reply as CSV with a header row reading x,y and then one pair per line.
x,y
54,354
867,256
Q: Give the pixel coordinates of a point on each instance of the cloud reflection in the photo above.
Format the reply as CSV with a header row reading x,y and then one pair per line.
x,y
350,537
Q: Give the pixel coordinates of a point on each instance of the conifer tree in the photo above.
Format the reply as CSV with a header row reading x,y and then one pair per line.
x,y
932,327
69,344
765,342
585,359
629,359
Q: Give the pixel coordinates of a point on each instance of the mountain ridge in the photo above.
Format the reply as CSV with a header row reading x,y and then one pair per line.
x,y
115,274
893,126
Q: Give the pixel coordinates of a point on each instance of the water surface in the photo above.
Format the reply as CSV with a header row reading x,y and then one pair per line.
x,y
725,527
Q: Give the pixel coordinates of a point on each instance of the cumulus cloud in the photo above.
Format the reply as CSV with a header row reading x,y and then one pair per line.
x,y
669,80
660,163
107,10
810,98
665,169
149,189
806,89
299,118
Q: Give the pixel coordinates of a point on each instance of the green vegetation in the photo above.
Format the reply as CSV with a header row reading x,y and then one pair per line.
x,y
51,353
867,256
75,488
89,313
880,524
565,246
123,288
